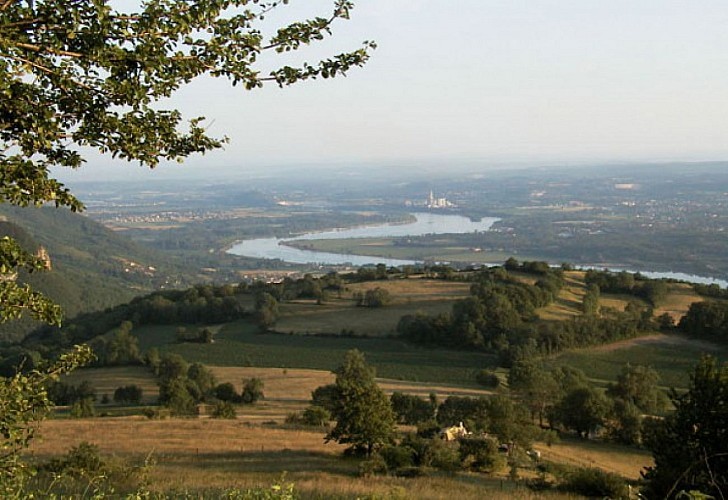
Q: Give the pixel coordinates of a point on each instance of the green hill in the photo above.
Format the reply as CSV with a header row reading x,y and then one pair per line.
x,y
92,267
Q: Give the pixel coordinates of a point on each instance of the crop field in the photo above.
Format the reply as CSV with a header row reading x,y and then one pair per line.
x,y
440,250
409,296
673,357
240,344
106,380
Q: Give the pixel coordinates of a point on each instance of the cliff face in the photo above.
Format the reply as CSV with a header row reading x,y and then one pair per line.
x,y
42,254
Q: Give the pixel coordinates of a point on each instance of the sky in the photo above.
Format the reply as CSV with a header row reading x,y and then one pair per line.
x,y
489,82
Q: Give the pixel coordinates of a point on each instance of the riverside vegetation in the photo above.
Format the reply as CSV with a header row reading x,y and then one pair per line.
x,y
506,331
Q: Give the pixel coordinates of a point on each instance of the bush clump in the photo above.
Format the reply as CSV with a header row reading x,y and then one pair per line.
x,y
487,378
224,410
592,482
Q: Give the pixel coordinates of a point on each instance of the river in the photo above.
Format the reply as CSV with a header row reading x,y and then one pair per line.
x,y
426,223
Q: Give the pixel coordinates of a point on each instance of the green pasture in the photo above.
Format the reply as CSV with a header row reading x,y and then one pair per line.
x,y
240,344
442,250
674,361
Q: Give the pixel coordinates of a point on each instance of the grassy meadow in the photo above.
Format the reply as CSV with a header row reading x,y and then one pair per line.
x,y
444,249
672,356
409,296
309,336
202,454
240,344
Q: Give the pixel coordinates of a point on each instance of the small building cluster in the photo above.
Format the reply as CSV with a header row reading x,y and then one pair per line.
x,y
433,202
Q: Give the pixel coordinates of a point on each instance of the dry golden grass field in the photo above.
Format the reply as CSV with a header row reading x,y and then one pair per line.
x,y
678,301
286,390
254,449
107,380
203,453
568,303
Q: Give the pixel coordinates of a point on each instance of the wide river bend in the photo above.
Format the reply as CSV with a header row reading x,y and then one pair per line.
x,y
426,223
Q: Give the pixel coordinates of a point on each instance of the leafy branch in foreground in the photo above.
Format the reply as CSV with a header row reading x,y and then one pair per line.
x,y
84,75
24,402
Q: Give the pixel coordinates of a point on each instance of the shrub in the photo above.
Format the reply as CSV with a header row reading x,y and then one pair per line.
x,y
373,465
442,455
316,415
224,409
226,392
252,390
428,429
83,408
410,409
397,457
156,413
481,454
326,396
487,378
130,394
593,482
430,453
378,297
83,459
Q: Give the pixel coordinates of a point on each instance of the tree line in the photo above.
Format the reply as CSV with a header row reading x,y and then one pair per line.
x,y
500,314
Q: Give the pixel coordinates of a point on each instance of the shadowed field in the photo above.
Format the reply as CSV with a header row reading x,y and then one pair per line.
x,y
240,344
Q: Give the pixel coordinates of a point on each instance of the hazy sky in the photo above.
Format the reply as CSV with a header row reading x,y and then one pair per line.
x,y
497,81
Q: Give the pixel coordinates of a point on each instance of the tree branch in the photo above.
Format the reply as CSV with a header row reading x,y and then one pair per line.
x,y
36,48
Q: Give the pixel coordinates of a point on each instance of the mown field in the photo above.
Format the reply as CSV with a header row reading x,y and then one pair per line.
x,y
409,296
240,344
443,249
568,303
201,454
672,356
204,454
286,390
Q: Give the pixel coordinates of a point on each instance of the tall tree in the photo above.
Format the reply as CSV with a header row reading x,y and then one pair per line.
x,y
363,414
590,302
91,74
537,388
583,410
637,385
690,447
